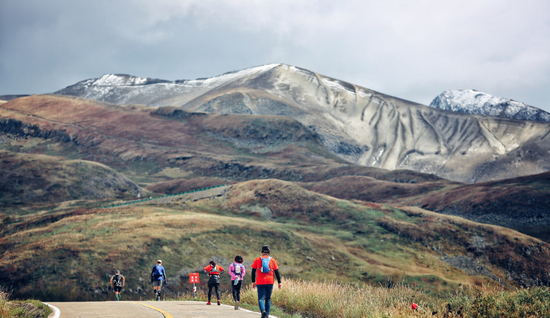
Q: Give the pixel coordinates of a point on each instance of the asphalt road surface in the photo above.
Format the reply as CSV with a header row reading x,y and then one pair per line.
x,y
147,309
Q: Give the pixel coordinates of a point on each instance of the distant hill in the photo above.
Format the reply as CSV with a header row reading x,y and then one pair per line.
x,y
520,203
34,178
7,98
355,123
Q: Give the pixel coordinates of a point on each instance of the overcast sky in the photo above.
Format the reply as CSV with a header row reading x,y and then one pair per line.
x,y
410,49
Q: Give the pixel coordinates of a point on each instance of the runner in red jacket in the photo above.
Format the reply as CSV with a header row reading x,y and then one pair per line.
x,y
267,269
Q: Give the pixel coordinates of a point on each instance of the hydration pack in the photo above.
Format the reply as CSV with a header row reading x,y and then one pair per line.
x,y
265,265
117,280
237,269
157,272
214,269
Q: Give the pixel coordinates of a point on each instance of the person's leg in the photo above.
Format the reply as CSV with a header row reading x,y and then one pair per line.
x,y
238,290
261,296
234,291
268,292
157,285
217,286
210,291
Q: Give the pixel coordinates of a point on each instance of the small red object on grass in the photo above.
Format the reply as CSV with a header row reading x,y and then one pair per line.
x,y
413,305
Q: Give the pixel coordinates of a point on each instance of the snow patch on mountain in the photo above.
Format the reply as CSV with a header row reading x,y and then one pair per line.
x,y
474,102
126,89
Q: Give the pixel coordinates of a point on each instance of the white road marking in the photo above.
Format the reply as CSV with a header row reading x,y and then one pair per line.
x,y
56,311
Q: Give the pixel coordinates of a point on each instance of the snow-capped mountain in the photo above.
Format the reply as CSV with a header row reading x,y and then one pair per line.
x,y
357,124
473,102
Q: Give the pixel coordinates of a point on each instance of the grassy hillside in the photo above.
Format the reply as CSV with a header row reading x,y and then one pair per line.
x,y
519,203
34,179
71,254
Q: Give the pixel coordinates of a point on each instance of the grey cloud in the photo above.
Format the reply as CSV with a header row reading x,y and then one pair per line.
x,y
413,50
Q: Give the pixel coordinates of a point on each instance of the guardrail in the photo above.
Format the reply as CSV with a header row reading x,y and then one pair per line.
x,y
164,196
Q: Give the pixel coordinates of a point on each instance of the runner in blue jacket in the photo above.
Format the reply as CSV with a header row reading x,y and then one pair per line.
x,y
158,276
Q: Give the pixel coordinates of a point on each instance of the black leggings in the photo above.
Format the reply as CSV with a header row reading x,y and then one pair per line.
x,y
236,290
217,287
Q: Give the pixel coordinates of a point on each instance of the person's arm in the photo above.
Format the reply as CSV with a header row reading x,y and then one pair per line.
x,y
254,277
123,281
164,277
111,281
222,270
278,275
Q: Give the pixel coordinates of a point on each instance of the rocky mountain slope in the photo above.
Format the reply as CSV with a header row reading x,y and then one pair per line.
x,y
358,124
471,101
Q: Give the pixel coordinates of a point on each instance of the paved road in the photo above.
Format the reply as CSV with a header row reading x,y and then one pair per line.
x,y
148,309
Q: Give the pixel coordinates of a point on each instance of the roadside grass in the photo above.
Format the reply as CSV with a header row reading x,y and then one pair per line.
x,y
332,299
22,308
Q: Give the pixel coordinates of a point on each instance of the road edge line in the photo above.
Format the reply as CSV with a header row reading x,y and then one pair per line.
x,y
247,310
56,310
164,313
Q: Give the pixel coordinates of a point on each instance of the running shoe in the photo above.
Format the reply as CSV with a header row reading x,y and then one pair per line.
x,y
219,303
236,305
209,303
264,314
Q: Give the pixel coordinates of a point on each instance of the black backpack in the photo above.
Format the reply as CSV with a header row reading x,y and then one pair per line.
x,y
117,280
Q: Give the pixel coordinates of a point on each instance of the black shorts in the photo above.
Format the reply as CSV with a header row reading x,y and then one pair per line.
x,y
118,288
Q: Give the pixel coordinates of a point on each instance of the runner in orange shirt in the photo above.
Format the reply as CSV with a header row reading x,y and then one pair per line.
x,y
267,269
214,271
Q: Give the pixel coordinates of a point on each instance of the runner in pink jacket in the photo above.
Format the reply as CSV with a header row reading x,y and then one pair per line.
x,y
237,272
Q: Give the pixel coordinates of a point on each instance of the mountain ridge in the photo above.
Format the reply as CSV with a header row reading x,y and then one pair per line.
x,y
358,124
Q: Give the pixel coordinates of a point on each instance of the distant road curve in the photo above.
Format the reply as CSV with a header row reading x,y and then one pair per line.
x,y
146,309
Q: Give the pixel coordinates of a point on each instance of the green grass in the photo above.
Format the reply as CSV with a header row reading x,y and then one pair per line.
x,y
22,308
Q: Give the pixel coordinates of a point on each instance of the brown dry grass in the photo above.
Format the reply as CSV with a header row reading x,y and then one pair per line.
x,y
315,237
